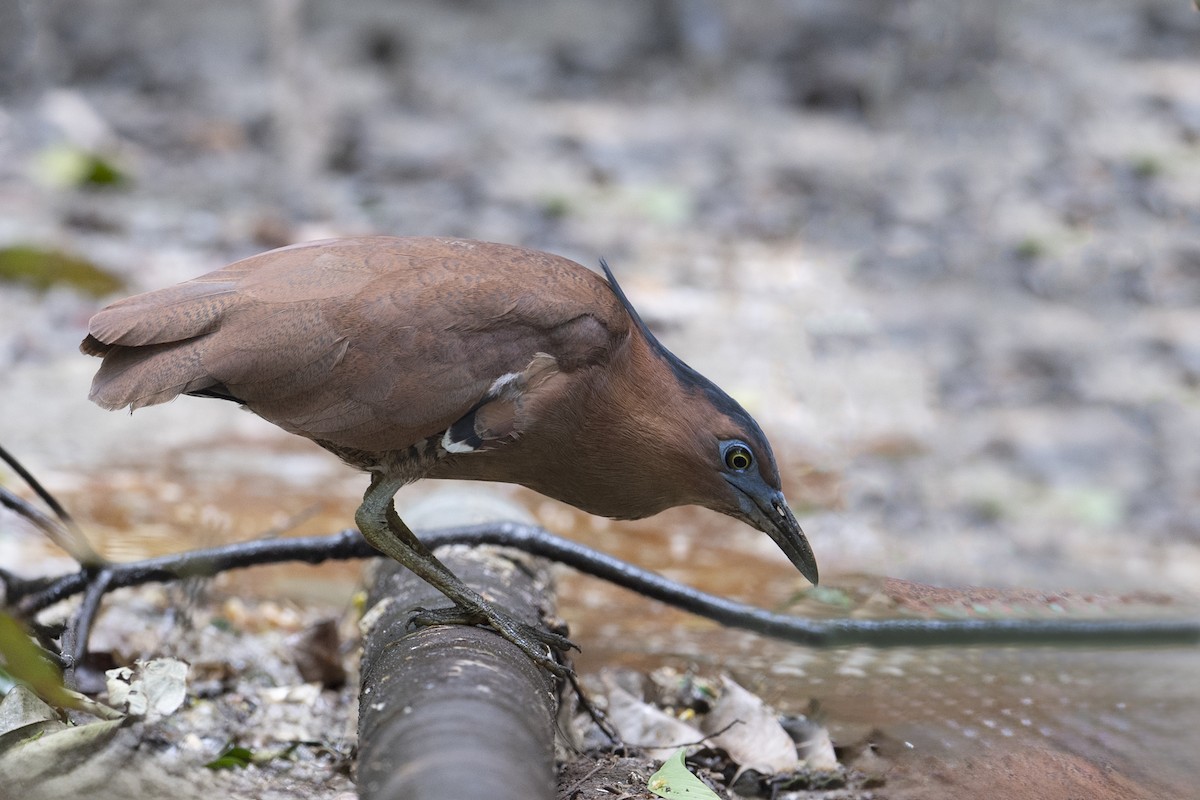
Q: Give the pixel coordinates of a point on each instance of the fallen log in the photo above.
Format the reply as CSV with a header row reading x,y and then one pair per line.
x,y
455,713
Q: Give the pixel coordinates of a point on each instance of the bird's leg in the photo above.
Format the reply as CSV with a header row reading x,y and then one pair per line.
x,y
382,527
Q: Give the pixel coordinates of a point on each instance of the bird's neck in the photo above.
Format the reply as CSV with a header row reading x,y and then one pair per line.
x,y
645,411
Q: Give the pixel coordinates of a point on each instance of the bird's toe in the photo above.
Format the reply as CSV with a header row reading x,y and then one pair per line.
x,y
535,641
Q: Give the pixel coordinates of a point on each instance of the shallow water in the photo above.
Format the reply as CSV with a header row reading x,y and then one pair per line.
x,y
1136,710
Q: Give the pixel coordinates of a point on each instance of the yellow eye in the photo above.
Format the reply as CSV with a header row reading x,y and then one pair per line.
x,y
738,458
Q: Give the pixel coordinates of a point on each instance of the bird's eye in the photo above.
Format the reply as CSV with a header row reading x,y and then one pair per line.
x,y
738,458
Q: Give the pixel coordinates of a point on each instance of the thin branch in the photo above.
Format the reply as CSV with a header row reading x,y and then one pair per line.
x,y
597,716
34,515
16,587
75,638
814,633
600,764
63,531
343,546
37,487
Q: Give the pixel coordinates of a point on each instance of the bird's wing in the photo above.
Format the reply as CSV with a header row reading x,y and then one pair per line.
x,y
370,344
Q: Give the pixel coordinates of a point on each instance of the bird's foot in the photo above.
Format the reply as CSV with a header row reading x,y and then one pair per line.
x,y
534,640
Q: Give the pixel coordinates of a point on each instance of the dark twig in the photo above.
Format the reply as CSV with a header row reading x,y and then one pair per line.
x,y
37,487
16,587
827,633
600,764
63,531
343,546
532,539
708,737
35,516
75,637
597,716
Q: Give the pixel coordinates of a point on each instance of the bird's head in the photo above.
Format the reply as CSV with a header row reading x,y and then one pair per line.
x,y
728,459
752,493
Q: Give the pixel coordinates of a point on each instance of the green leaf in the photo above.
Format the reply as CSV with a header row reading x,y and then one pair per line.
x,y
233,757
42,269
674,780
24,661
68,166
830,596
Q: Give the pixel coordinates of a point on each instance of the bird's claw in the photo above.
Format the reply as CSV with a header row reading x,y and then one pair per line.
x,y
538,643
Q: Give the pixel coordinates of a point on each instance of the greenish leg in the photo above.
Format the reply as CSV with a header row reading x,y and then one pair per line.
x,y
382,527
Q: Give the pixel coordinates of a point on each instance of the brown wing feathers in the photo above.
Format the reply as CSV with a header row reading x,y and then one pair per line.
x,y
358,342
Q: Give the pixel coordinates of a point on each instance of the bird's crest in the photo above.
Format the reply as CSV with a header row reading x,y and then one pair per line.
x,y
688,376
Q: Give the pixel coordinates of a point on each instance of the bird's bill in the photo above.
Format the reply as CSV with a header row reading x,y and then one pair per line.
x,y
769,513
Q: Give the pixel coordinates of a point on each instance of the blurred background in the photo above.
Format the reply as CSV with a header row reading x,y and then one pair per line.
x,y
947,253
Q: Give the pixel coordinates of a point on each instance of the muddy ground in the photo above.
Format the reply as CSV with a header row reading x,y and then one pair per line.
x,y
947,253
